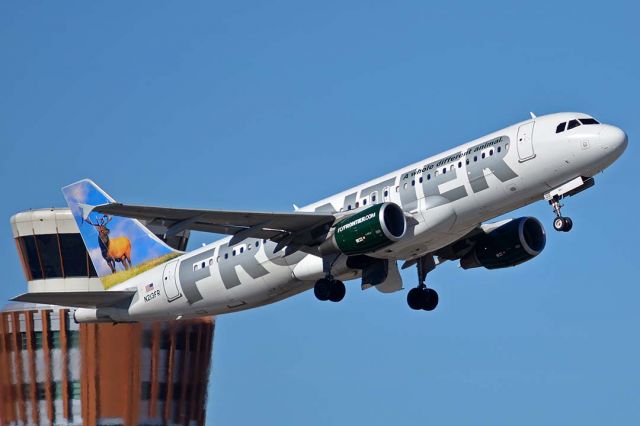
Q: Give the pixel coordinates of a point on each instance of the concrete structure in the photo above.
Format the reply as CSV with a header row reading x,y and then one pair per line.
x,y
54,371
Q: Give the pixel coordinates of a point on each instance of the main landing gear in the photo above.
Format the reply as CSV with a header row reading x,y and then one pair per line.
x,y
421,297
560,223
329,289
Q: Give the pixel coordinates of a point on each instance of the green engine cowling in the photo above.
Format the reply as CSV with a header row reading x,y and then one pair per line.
x,y
366,231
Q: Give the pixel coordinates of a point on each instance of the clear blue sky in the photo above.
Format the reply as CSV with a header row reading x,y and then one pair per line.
x,y
258,105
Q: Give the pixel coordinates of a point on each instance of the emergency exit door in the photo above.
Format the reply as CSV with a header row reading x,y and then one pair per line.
x,y
525,142
169,281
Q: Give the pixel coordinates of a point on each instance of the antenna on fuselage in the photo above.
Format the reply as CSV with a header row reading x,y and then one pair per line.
x,y
532,115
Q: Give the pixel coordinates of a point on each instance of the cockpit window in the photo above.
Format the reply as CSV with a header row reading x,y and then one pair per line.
x,y
589,121
572,124
561,127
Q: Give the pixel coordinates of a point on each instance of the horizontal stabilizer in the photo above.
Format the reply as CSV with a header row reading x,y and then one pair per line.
x,y
78,299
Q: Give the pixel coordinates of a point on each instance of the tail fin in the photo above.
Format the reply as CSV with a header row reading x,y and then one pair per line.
x,y
120,248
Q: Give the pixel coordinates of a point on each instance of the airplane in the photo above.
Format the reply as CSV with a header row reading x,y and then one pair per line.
x,y
438,209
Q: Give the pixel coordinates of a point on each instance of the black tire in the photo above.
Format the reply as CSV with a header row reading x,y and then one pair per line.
x,y
430,299
322,289
414,299
568,224
558,223
337,291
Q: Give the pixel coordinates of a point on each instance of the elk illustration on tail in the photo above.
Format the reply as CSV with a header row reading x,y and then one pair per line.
x,y
112,239
113,249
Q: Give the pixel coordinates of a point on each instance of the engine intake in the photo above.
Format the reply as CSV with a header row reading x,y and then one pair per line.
x,y
366,231
508,245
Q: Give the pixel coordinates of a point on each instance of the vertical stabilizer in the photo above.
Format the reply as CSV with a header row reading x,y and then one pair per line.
x,y
120,248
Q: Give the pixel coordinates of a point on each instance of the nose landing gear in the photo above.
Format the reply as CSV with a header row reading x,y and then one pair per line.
x,y
560,223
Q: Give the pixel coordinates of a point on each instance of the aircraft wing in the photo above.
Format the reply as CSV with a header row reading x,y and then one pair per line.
x,y
297,228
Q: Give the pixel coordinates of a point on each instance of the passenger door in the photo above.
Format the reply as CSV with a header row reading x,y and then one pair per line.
x,y
169,281
525,142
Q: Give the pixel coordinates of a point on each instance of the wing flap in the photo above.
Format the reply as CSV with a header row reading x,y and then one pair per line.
x,y
78,299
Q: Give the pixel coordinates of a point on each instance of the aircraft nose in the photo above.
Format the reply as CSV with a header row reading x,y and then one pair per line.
x,y
613,139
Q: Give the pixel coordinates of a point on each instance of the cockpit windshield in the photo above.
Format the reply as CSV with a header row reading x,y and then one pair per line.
x,y
575,123
572,124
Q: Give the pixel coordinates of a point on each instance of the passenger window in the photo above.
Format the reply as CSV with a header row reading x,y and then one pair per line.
x,y
483,155
429,176
491,152
589,121
257,243
573,124
420,180
466,161
349,207
226,255
499,149
203,265
234,252
241,249
561,127
374,196
475,158
386,193
364,202
444,170
459,164
413,183
357,204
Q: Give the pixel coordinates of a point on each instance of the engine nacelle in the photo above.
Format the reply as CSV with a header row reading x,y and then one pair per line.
x,y
508,245
366,231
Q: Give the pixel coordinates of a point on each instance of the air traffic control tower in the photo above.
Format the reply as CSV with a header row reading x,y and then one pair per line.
x,y
56,372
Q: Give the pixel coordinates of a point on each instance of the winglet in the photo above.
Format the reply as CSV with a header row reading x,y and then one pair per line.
x,y
85,210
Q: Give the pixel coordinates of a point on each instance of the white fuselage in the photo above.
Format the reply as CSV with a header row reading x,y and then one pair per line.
x,y
445,196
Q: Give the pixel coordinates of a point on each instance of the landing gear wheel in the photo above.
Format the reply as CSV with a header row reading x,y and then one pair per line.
x,y
563,224
337,291
322,289
558,223
414,299
430,299
421,298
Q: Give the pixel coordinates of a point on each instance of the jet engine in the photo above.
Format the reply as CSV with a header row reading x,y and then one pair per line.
x,y
511,244
366,231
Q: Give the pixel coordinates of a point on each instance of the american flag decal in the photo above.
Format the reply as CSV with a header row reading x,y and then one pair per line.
x,y
148,287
